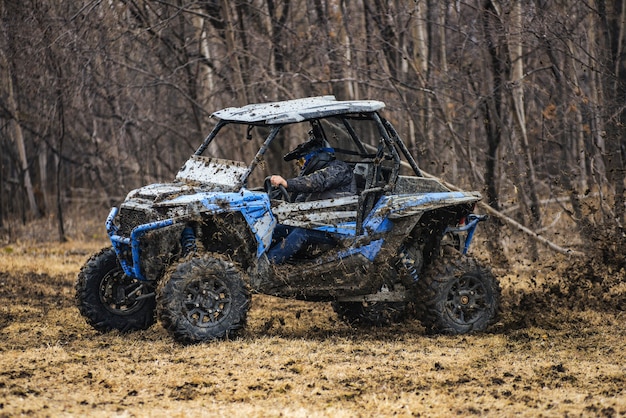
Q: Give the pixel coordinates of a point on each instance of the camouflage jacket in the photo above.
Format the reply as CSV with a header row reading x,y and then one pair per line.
x,y
334,180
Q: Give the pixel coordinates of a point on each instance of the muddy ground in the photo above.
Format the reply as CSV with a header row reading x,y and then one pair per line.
x,y
558,350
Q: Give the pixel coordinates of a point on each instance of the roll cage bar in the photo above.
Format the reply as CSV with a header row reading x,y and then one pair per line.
x,y
387,148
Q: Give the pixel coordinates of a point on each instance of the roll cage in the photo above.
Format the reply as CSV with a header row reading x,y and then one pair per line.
x,y
377,179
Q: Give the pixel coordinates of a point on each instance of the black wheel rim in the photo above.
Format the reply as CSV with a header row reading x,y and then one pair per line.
x,y
120,294
467,300
207,302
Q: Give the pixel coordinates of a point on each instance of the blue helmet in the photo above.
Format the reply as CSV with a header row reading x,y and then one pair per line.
x,y
309,149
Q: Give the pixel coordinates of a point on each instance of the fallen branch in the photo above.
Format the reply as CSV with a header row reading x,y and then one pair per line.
x,y
513,223
561,199
532,234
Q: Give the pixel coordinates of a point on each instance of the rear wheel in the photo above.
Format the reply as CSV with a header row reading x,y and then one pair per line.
x,y
203,299
109,299
456,295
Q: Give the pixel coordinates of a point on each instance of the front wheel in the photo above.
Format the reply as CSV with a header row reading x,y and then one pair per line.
x,y
203,299
111,300
457,296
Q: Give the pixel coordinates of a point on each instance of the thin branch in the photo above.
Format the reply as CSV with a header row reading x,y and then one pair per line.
x,y
514,224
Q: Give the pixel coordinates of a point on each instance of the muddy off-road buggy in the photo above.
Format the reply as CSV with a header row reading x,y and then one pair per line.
x,y
192,252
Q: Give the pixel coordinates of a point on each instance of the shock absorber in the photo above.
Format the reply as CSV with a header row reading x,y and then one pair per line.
x,y
188,240
410,265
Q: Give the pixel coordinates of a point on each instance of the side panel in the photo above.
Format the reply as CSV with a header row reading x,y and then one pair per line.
x,y
336,215
254,206
389,222
317,280
262,224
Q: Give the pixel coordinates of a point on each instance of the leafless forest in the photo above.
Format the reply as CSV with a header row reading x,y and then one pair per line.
x,y
523,100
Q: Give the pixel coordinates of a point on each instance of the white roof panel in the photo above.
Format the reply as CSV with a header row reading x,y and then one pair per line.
x,y
290,111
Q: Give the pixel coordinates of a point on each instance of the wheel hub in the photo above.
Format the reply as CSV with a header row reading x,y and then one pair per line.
x,y
466,300
207,302
121,294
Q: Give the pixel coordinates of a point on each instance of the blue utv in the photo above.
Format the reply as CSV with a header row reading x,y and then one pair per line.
x,y
191,252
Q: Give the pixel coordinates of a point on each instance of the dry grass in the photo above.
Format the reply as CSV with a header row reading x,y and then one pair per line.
x,y
295,358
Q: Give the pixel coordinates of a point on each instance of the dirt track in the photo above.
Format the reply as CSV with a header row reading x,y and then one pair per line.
x,y
552,354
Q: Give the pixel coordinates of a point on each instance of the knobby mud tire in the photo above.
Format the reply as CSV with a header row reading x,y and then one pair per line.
x,y
203,299
366,314
107,298
456,295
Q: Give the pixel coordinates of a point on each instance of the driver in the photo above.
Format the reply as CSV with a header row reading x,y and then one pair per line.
x,y
321,177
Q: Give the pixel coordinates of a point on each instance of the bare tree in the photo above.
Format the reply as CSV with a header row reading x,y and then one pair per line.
x,y
13,111
521,99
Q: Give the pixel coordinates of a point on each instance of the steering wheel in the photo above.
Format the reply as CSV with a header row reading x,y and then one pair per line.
x,y
269,189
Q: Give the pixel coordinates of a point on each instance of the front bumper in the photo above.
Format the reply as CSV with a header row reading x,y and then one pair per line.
x,y
129,249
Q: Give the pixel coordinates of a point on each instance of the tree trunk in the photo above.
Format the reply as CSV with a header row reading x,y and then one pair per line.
x,y
60,140
597,124
18,138
240,87
519,116
60,221
42,160
579,136
423,118
2,188
493,76
614,18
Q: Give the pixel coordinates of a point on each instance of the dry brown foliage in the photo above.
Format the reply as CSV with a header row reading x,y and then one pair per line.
x,y
557,351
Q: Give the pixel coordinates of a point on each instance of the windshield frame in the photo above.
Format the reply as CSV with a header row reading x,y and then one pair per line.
x,y
389,142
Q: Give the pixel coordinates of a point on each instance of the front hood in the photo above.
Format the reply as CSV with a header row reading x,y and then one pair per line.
x,y
159,192
170,200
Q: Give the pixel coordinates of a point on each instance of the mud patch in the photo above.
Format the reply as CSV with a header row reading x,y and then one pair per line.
x,y
553,354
